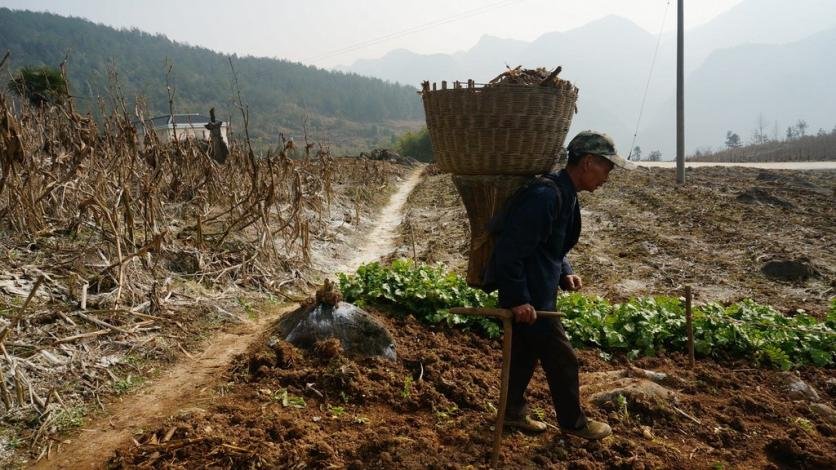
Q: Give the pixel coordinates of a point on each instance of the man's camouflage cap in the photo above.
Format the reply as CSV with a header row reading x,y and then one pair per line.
x,y
598,143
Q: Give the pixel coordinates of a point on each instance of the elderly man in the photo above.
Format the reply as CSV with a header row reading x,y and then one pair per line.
x,y
539,226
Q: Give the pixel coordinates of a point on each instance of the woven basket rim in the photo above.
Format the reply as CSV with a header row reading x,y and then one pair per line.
x,y
497,89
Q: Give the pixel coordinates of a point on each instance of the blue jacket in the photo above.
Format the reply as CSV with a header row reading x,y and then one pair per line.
x,y
536,231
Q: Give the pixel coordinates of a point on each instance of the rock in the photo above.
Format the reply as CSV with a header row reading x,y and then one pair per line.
x,y
799,389
635,389
827,413
789,270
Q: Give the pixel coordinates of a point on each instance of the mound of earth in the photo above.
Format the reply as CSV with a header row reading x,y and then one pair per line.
x,y
762,196
433,407
789,270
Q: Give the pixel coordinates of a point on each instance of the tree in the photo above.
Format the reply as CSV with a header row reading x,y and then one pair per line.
x,y
637,153
654,156
416,145
759,134
39,85
732,140
791,133
703,151
801,125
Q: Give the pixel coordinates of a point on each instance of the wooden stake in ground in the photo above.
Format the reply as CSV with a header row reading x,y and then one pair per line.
x,y
689,325
507,331
507,317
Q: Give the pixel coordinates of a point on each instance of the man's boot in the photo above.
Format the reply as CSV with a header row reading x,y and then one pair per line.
x,y
525,423
594,430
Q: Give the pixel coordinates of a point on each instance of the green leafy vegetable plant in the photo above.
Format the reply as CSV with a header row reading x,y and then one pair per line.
x,y
427,292
640,327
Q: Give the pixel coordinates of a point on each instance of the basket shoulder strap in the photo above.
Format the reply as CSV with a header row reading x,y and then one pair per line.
x,y
497,224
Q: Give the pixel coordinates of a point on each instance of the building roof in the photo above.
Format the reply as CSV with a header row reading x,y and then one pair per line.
x,y
178,119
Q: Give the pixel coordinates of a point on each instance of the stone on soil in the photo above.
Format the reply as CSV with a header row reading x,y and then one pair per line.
x,y
635,390
637,386
799,389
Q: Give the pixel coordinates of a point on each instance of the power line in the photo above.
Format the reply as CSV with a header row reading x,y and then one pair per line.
x,y
649,77
415,29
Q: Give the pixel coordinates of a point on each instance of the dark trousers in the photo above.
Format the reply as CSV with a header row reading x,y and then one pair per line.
x,y
545,341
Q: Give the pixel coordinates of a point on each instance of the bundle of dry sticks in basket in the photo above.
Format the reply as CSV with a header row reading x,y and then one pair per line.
x,y
495,137
530,77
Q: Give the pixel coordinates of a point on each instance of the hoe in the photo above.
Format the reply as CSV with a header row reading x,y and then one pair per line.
x,y
507,317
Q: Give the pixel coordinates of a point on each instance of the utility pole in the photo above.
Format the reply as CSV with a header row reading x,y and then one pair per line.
x,y
680,93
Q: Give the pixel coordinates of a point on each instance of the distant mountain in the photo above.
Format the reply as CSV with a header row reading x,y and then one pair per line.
x,y
609,60
760,22
403,66
608,69
737,86
345,110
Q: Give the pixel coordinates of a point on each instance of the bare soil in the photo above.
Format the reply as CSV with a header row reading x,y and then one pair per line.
x,y
433,408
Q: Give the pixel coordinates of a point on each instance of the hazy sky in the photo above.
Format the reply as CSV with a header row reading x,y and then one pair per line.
x,y
327,33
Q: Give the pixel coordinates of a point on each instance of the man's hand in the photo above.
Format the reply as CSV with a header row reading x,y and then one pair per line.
x,y
571,282
524,314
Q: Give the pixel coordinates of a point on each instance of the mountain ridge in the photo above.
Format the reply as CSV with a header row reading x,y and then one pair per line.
x,y
609,60
342,109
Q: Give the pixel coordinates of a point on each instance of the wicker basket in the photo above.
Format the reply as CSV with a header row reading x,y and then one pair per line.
x,y
510,130
483,197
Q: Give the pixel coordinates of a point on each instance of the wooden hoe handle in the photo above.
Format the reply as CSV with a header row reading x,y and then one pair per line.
x,y
500,313
507,318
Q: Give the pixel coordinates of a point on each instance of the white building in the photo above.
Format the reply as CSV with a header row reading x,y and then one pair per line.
x,y
183,126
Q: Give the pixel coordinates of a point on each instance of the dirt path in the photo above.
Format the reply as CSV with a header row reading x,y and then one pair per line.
x,y
195,381
188,384
381,239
